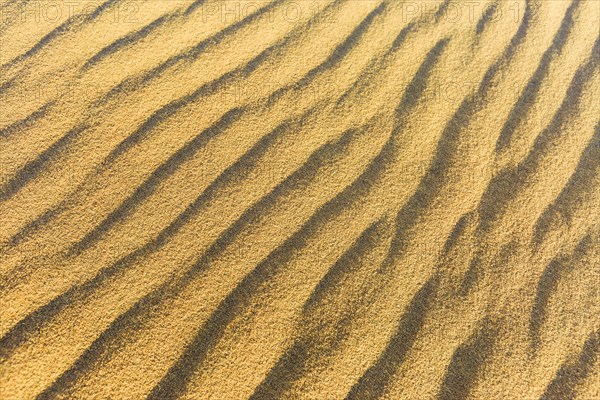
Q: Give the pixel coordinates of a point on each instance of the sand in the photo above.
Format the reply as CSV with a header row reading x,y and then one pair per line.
x,y
330,199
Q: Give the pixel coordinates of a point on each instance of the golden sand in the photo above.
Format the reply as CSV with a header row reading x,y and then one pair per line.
x,y
329,199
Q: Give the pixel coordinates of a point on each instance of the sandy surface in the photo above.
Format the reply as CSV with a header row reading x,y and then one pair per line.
x,y
349,199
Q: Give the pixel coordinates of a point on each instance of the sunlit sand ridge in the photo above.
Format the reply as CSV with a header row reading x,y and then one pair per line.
x,y
331,199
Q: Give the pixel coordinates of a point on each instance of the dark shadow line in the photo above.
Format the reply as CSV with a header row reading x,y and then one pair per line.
x,y
63,28
288,369
457,232
205,89
27,121
504,187
466,364
344,266
580,183
356,190
128,40
164,112
486,18
33,226
548,285
336,56
375,66
301,355
111,338
150,184
175,381
374,381
130,84
169,289
33,168
534,85
472,276
545,287
441,11
236,172
4,87
573,373
34,321
193,7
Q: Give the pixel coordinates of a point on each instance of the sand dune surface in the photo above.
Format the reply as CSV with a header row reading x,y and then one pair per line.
x,y
298,199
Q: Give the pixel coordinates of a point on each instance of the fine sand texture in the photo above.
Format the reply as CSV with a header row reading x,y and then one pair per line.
x,y
300,199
